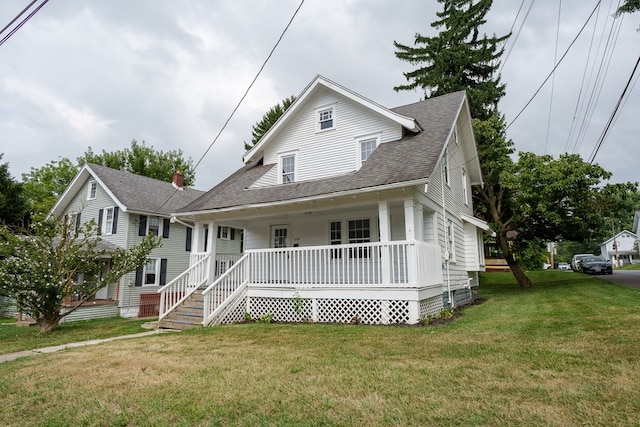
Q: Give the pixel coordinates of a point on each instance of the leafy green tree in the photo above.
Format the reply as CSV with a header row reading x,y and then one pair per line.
x,y
457,58
43,186
629,6
13,206
268,119
38,267
144,160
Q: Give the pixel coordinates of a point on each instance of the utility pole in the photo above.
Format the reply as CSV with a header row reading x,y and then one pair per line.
x,y
615,243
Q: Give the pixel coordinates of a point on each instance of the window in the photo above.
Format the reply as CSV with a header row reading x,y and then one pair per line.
x,y
359,232
325,119
465,194
280,236
150,273
366,148
108,220
335,237
154,225
288,168
225,234
73,221
92,190
450,241
153,273
151,225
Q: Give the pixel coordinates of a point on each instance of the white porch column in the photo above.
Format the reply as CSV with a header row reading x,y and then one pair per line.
x,y
212,240
410,235
385,236
198,238
419,221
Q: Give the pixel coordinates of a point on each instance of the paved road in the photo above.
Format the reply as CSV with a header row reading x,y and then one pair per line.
x,y
629,278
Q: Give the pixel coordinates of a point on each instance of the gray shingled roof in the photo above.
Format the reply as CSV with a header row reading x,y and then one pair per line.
x,y
143,194
411,158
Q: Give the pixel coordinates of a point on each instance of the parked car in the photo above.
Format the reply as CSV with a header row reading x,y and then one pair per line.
x,y
595,265
575,261
564,266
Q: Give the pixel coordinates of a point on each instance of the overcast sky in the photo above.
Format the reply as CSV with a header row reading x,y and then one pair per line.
x,y
101,73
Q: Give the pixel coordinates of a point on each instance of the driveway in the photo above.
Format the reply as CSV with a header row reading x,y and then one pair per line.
x,y
629,278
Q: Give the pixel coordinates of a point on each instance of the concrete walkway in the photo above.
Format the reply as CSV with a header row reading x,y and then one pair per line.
x,y
13,356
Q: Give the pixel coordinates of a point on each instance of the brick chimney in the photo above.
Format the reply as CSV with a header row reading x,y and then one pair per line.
x,y
178,180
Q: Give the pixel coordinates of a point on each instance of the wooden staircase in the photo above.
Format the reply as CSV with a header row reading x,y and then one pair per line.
x,y
187,315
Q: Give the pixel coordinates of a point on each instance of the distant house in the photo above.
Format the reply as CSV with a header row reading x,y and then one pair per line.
x,y
350,211
621,249
127,207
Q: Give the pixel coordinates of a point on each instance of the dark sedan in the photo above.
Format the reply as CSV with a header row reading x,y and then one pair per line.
x,y
595,265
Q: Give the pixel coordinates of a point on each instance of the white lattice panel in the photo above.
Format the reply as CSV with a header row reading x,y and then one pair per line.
x,y
237,313
372,312
431,306
282,309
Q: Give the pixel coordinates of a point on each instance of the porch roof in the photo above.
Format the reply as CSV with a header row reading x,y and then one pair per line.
x,y
409,160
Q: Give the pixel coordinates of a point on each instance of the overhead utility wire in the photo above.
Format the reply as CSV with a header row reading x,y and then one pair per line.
x,y
553,80
243,97
18,16
515,39
13,31
553,70
605,131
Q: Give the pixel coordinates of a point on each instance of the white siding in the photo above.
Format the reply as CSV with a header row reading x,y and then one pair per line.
x,y
331,152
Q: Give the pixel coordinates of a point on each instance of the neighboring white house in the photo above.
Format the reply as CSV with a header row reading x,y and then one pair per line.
x,y
621,249
127,207
350,211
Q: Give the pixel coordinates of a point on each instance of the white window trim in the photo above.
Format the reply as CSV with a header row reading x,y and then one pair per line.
x,y
107,230
445,162
157,272
92,188
281,156
160,219
465,191
316,117
359,141
225,232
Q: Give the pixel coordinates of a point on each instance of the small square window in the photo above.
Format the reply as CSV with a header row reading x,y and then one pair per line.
x,y
92,190
325,119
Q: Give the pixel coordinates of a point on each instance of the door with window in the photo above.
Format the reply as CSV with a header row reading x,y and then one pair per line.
x,y
279,267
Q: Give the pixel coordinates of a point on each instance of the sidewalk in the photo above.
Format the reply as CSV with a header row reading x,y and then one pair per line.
x,y
13,356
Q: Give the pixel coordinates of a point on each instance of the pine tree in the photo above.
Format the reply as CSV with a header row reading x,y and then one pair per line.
x,y
268,119
457,58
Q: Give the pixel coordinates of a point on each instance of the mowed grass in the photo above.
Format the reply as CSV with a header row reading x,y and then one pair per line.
x,y
566,352
19,338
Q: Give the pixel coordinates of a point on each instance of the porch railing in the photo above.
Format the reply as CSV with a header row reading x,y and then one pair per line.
x,y
179,289
225,290
388,264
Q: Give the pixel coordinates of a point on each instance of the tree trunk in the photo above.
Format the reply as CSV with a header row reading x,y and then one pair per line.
x,y
514,265
48,324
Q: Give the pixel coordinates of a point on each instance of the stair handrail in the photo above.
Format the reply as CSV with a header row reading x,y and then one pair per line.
x,y
229,283
182,287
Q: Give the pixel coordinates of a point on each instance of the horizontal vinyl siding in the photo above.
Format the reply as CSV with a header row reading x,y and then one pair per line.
x,y
331,152
88,312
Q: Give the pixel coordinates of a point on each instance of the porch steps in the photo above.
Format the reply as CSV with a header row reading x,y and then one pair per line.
x,y
187,315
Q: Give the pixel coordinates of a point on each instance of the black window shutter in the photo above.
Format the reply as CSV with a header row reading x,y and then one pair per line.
x,y
232,234
163,271
115,220
187,246
78,222
165,227
142,228
100,213
139,276
219,231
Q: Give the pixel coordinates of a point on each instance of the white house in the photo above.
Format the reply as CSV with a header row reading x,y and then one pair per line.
x,y
127,207
350,211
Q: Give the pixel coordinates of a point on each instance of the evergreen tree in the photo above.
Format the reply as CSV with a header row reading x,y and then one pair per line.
x,y
629,6
268,119
457,58
13,207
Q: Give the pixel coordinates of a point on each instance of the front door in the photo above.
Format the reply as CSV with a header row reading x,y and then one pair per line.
x,y
279,263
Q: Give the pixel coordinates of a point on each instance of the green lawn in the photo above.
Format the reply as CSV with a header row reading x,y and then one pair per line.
x,y
18,338
566,352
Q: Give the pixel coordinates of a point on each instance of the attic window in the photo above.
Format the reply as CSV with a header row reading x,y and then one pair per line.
x,y
287,168
92,190
365,147
325,119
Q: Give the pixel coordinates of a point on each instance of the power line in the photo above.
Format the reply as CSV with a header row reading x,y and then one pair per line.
x,y
553,80
554,68
17,27
605,131
246,92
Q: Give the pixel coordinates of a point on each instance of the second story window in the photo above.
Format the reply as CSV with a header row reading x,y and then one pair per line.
x,y
288,168
325,119
92,190
465,194
366,148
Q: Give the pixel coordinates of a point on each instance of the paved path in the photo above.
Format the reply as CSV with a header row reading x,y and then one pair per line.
x,y
12,356
629,278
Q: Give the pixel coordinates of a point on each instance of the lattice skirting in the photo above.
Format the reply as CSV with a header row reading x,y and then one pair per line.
x,y
333,310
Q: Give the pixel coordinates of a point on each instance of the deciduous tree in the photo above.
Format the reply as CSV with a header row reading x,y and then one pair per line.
x,y
39,266
43,186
